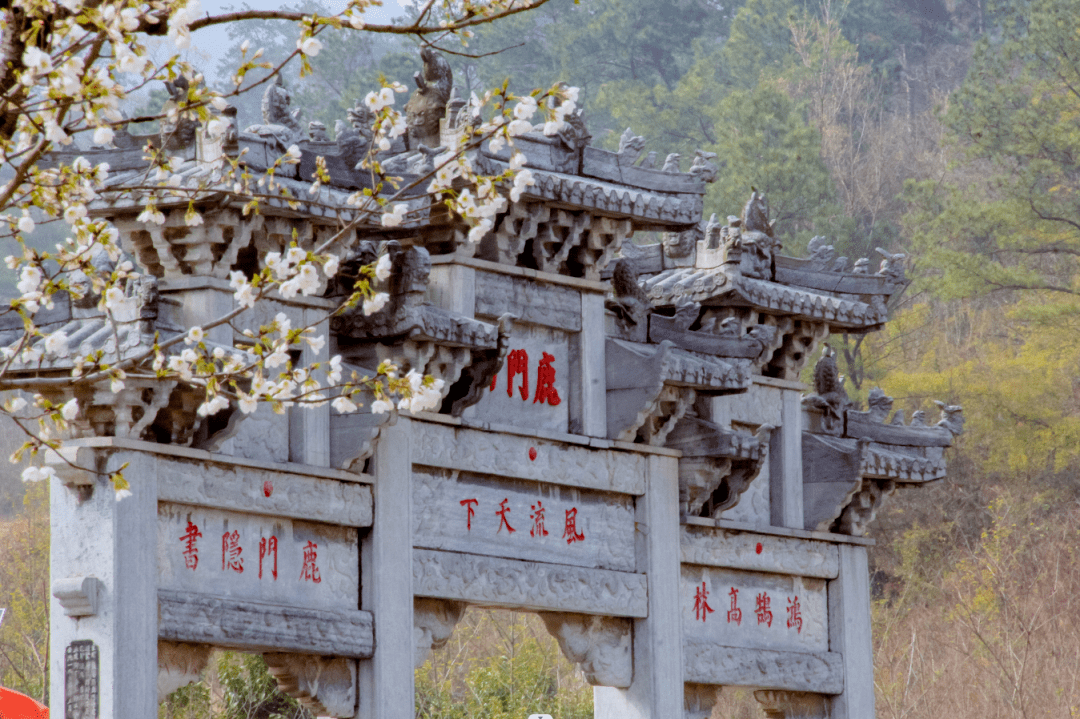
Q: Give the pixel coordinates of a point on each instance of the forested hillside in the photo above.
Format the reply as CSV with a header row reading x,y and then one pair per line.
x,y
945,129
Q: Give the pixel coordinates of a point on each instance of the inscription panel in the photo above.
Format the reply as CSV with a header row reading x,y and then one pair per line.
x,y
735,608
533,387
505,455
245,556
480,514
82,674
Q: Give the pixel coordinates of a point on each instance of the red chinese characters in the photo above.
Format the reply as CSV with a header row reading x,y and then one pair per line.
x,y
764,614
537,517
701,604
268,549
191,551
794,620
734,614
502,511
571,533
545,382
310,570
517,363
230,552
469,504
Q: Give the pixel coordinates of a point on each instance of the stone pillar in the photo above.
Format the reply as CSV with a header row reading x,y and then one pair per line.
x,y
657,687
850,634
588,414
785,464
103,558
309,427
386,680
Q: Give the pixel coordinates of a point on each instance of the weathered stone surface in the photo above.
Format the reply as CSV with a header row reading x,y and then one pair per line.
x,y
533,302
77,595
528,585
241,487
323,686
758,552
708,663
433,624
537,512
251,626
599,646
754,610
279,560
505,455
262,435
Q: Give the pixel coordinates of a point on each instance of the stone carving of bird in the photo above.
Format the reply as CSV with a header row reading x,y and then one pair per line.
x,y
826,373
840,264
630,303
671,164
952,417
649,163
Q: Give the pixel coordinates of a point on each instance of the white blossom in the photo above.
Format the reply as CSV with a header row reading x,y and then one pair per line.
x,y
522,179
29,279
57,344
15,404
247,402
37,474
278,357
122,494
194,336
331,266
103,135
70,410
381,406
477,233
519,127
213,406
26,223
151,214
383,268
309,46
394,218
344,405
525,108
376,303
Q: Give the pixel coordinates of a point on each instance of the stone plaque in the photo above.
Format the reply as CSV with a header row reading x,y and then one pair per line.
x,y
519,519
81,680
248,556
533,387
754,610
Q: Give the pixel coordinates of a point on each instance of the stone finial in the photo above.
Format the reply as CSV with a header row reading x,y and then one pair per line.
x,y
892,265
427,106
703,166
630,147
276,103
952,417
317,132
671,164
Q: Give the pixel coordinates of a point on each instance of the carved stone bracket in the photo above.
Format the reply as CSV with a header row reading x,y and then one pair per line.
x,y
792,705
179,664
433,623
563,241
798,345
863,505
324,686
699,699
718,464
599,646
650,387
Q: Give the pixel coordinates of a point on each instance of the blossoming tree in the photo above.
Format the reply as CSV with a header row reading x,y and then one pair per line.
x,y
66,69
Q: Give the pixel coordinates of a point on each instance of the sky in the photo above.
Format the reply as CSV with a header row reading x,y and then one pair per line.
x,y
213,40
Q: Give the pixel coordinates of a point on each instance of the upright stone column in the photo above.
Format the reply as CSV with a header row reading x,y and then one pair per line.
x,y
589,346
785,464
850,634
103,613
386,680
657,688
